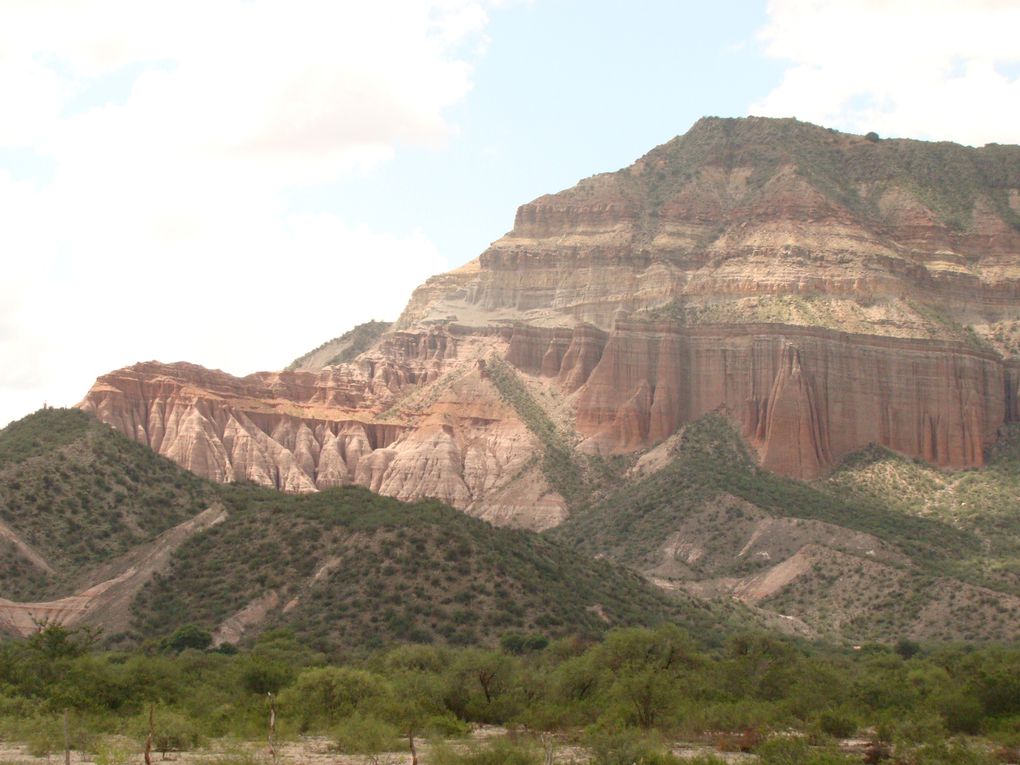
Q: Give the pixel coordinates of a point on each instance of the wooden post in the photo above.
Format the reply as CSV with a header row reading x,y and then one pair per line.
x,y
272,727
414,752
148,739
67,741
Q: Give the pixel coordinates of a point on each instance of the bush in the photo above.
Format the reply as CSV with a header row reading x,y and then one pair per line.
x,y
327,694
172,731
359,734
500,751
794,750
188,636
947,753
837,724
628,747
116,750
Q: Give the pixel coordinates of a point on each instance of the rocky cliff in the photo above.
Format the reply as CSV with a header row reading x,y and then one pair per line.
x,y
823,290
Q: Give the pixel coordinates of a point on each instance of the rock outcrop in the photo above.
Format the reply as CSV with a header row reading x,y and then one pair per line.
x,y
414,418
824,290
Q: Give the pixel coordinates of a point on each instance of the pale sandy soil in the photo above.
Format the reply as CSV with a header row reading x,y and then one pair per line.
x,y
314,750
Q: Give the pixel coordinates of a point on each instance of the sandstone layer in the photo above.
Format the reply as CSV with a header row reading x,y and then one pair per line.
x,y
824,290
413,418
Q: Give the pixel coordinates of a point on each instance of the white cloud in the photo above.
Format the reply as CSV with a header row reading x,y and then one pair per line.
x,y
935,69
162,232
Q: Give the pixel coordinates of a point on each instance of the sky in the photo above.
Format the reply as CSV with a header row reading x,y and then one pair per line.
x,y
234,182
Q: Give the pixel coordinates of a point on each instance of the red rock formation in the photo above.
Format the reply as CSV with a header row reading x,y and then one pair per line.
x,y
302,431
804,397
825,290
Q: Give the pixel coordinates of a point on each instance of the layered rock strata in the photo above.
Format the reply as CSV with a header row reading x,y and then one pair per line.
x,y
804,396
416,418
825,290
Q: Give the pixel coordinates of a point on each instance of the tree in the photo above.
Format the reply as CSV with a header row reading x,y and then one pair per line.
x,y
323,695
188,636
55,641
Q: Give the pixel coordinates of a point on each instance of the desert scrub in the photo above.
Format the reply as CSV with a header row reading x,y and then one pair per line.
x,y
559,467
499,751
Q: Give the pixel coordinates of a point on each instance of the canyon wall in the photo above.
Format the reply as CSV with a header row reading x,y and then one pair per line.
x,y
804,397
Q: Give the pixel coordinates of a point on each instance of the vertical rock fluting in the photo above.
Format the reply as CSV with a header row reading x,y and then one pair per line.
x,y
804,397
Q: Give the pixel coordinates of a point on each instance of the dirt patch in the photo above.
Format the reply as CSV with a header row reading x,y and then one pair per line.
x,y
115,584
316,750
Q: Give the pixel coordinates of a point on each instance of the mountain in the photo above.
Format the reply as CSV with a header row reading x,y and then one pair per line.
x,y
768,364
825,291
97,529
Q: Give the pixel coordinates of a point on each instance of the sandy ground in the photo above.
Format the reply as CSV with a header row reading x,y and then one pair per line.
x,y
314,750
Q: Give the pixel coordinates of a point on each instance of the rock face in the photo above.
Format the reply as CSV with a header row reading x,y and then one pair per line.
x,y
824,290
413,418
804,396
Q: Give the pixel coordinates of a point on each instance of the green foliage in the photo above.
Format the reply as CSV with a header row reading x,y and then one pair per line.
x,y
53,641
42,433
630,692
560,465
628,747
837,723
711,459
499,751
946,177
794,750
519,643
323,695
361,734
188,636
79,493
172,731
388,571
116,750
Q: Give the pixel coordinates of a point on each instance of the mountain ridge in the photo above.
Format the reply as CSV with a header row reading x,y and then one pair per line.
x,y
825,290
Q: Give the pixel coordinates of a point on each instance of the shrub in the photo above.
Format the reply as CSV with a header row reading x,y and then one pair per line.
x,y
837,724
188,636
794,750
116,750
360,734
628,746
500,751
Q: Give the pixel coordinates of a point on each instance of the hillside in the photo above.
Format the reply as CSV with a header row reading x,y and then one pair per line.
x,y
343,349
882,549
346,568
74,494
98,529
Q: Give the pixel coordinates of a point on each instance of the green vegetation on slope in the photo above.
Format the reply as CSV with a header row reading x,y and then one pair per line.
x,y
982,503
908,549
361,569
352,567
711,459
946,177
576,477
347,347
79,493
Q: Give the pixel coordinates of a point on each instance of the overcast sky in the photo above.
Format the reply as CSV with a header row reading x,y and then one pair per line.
x,y
234,182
